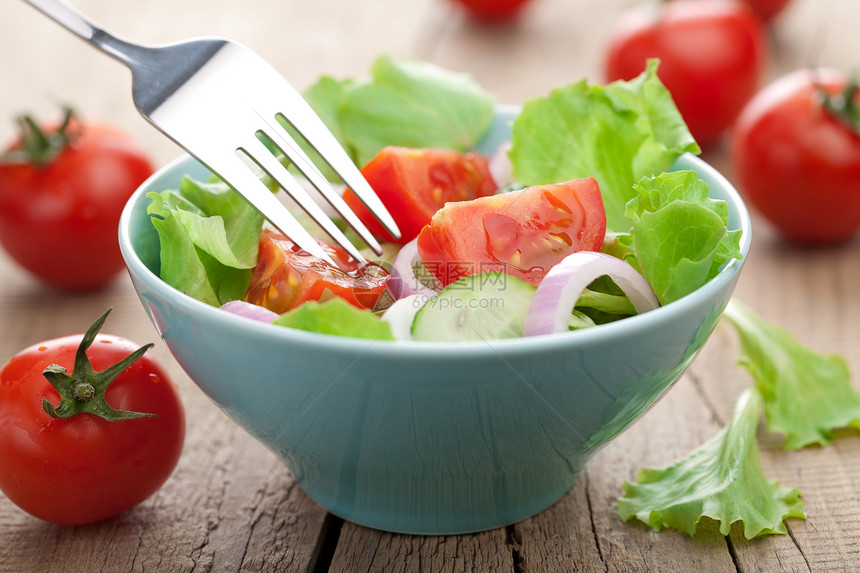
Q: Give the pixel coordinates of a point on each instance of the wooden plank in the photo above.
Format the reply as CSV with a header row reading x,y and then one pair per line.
x,y
562,538
363,549
556,42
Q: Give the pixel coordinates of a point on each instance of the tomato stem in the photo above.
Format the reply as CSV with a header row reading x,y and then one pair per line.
x,y
37,147
844,107
84,389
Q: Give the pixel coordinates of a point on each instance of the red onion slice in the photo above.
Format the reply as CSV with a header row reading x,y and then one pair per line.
x,y
401,315
249,310
403,280
558,292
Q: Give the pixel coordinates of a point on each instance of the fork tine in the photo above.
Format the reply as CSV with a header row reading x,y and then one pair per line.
x,y
311,127
263,157
308,124
282,139
239,176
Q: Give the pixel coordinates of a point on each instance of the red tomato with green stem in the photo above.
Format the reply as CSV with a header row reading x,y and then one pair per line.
x,y
61,195
522,233
796,155
78,448
712,56
287,276
415,183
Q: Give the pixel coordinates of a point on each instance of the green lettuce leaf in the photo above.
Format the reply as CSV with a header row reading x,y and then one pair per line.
x,y
325,96
209,239
617,134
338,317
606,302
406,102
602,302
723,480
679,235
807,394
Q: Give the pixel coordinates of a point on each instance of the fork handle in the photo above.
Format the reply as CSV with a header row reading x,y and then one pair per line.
x,y
70,18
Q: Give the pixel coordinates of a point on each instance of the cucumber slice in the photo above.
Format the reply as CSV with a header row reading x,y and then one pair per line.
x,y
479,307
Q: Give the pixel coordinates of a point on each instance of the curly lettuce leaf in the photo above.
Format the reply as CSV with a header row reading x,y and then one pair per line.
x,y
405,102
679,235
617,134
807,394
209,238
338,317
723,480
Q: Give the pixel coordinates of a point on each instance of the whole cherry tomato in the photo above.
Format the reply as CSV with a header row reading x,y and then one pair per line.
x,y
493,10
81,447
796,153
712,54
61,195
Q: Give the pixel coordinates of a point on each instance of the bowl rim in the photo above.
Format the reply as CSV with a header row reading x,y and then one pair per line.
x,y
409,349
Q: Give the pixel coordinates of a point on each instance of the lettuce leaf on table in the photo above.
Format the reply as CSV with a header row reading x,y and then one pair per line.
x,y
723,480
807,394
617,134
209,239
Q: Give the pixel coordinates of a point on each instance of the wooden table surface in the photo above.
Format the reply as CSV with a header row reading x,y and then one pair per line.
x,y
232,506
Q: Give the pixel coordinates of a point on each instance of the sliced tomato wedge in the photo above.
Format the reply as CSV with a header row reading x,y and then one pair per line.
x,y
287,276
415,183
522,233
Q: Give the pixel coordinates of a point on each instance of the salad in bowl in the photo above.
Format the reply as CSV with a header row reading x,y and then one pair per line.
x,y
581,177
560,267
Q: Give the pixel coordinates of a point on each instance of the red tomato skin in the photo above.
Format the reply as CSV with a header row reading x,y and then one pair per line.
x,y
84,469
712,56
521,233
59,221
286,276
796,164
768,9
493,10
415,183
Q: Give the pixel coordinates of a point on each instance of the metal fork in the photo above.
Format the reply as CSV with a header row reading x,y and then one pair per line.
x,y
228,108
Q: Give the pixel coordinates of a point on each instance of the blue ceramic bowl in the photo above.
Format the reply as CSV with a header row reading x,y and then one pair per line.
x,y
429,438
